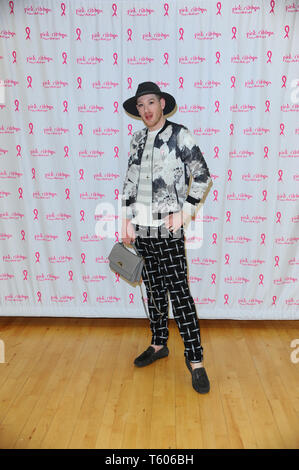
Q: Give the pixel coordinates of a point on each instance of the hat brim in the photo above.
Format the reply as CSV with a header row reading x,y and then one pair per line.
x,y
130,104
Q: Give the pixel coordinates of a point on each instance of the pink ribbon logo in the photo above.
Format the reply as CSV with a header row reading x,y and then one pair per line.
x,y
274,298
35,212
166,8
116,150
17,105
27,29
280,173
84,297
214,237
23,235
272,5
269,55
217,104
287,30
116,237
66,149
117,277
18,147
114,9
11,4
233,81
81,173
266,150
261,278
62,6
229,172
227,257
215,192
25,272
181,80
65,104
29,80
37,256
78,31
218,57
30,127
14,55
116,192
130,81
69,234
218,8
115,57
129,32
284,81
115,104
80,127
130,129
71,274
213,276
276,261
263,238
234,30
64,56
82,213
166,57
281,129
216,150
67,192
264,193
278,217
83,256
20,193
228,214
39,296
231,126
226,297
181,31
267,102
79,81
131,296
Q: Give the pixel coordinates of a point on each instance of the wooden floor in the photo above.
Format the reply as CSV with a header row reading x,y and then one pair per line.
x,y
71,383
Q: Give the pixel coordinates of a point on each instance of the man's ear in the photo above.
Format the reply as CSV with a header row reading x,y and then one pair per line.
x,y
163,102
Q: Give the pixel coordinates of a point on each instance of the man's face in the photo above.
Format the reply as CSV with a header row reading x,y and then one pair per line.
x,y
150,109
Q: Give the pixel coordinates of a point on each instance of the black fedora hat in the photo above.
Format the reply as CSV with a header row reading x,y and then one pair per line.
x,y
149,88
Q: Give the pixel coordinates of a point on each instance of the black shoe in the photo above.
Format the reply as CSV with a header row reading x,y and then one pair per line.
x,y
200,381
149,356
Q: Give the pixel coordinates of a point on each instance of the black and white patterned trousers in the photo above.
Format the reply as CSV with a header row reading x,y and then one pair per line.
x,y
166,265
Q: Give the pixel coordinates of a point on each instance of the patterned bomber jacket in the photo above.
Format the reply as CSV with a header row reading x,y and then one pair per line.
x,y
176,160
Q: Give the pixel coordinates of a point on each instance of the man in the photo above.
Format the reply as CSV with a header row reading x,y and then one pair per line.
x,y
157,202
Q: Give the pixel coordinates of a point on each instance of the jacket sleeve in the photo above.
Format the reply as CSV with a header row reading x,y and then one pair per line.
x,y
129,191
201,181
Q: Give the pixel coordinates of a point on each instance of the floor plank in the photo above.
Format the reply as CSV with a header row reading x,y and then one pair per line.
x,y
71,383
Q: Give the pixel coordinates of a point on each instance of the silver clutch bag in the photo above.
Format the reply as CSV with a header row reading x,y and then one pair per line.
x,y
126,263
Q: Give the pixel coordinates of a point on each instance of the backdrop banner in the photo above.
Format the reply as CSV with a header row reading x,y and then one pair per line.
x,y
65,70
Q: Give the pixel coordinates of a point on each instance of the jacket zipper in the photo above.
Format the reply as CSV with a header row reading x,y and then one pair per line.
x,y
161,130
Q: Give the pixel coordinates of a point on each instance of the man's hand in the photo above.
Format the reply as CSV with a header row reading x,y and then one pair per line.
x,y
174,221
127,231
